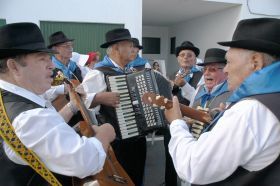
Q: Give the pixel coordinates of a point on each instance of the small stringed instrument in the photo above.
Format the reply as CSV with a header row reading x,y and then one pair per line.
x,y
112,174
151,98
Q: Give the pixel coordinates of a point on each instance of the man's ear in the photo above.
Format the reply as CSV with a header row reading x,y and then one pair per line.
x,y
257,61
12,65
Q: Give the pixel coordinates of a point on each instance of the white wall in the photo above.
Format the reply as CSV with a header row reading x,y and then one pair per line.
x,y
204,32
158,32
125,12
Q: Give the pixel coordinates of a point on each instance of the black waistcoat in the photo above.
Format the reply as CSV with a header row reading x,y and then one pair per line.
x,y
12,174
269,176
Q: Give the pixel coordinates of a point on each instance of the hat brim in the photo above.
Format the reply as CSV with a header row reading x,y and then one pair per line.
x,y
4,53
59,42
256,45
194,49
107,44
212,60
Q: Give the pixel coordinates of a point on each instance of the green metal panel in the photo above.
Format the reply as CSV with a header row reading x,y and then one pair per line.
x,y
88,36
2,22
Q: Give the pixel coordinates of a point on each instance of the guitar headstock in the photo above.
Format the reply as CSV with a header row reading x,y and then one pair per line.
x,y
154,100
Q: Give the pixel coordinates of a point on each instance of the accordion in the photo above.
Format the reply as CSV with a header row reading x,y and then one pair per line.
x,y
134,117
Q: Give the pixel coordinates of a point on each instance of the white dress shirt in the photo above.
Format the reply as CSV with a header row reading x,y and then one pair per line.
x,y
247,135
57,145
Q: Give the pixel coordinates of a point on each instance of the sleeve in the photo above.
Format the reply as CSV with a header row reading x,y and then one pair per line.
x,y
240,138
94,82
188,91
53,92
61,149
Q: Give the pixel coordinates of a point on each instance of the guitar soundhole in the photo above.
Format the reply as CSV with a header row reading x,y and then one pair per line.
x,y
118,179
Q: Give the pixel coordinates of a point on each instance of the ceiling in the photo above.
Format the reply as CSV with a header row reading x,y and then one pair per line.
x,y
170,12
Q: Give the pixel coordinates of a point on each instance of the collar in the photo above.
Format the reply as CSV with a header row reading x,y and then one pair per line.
x,y
267,82
23,92
217,90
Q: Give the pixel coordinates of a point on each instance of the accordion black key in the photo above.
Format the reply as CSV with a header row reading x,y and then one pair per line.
x,y
134,117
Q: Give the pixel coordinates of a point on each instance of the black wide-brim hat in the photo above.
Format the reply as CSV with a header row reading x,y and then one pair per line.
x,y
136,43
21,38
258,34
116,35
187,45
58,38
214,55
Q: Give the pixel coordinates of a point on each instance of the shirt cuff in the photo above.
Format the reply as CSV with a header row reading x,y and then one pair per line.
x,y
178,123
101,154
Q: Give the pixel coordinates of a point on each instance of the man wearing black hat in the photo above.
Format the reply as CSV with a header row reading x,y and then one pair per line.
x,y
214,91
130,152
137,63
242,145
186,55
33,133
186,79
64,46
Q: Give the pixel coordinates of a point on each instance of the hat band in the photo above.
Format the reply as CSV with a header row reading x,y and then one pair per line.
x,y
31,46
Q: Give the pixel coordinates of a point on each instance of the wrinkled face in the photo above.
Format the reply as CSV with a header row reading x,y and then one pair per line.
x,y
213,75
65,49
124,51
36,74
186,58
134,53
239,66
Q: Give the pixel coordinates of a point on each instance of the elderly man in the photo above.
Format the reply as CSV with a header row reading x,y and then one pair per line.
x,y
186,55
242,145
137,63
64,46
130,152
37,141
214,91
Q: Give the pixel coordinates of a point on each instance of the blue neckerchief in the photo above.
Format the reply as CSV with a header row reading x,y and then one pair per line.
x,y
138,61
263,81
205,96
67,71
190,75
106,62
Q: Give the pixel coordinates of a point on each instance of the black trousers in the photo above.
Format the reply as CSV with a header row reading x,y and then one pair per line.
x,y
131,154
170,172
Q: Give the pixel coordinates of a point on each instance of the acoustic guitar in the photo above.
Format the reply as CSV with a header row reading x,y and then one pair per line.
x,y
113,173
151,98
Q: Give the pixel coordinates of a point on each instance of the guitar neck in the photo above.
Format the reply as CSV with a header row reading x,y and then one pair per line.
x,y
191,113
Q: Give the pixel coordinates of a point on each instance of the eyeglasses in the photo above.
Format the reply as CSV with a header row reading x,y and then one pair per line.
x,y
211,69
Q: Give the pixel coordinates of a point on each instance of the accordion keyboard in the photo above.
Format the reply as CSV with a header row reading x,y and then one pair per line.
x,y
125,112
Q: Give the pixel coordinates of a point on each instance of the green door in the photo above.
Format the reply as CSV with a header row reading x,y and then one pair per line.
x,y
88,36
2,22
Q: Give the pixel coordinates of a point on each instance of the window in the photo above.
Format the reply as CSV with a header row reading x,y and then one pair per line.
x,y
172,45
151,45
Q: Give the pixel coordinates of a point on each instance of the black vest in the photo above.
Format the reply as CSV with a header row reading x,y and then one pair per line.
x,y
269,176
177,91
12,174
